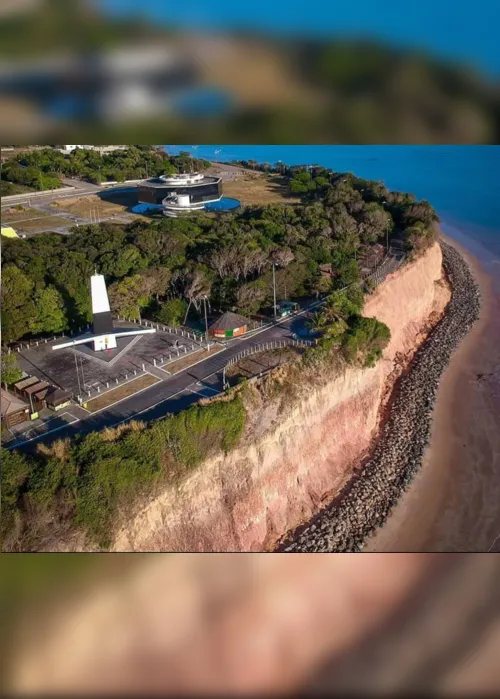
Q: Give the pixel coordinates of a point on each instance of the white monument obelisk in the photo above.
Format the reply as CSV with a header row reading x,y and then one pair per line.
x,y
101,314
103,334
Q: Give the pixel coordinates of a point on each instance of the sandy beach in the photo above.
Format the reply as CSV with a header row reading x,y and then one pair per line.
x,y
453,502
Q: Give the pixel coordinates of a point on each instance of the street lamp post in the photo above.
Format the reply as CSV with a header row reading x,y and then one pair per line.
x,y
206,321
77,374
274,289
83,374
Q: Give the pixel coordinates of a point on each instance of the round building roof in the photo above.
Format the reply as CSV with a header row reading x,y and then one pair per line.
x,y
229,321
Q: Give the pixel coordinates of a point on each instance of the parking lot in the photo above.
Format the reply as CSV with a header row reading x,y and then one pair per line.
x,y
80,369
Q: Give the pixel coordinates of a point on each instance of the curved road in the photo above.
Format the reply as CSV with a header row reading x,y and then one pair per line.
x,y
177,392
174,393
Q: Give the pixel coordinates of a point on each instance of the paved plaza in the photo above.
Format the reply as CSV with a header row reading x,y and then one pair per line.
x,y
80,369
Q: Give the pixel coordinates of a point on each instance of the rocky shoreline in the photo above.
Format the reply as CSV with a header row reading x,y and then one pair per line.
x,y
345,524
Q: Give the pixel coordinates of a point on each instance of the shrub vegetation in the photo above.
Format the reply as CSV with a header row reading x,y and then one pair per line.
x,y
87,482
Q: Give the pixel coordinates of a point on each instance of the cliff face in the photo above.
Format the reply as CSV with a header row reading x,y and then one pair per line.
x,y
248,499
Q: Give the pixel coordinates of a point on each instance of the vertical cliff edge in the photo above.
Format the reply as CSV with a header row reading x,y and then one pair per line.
x,y
293,461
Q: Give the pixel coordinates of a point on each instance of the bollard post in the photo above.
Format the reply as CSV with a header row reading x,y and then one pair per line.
x,y
185,349
88,393
154,361
98,389
116,381
135,372
126,377
143,367
18,349
107,384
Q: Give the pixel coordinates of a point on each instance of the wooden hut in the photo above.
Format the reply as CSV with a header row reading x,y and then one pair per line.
x,y
13,410
229,325
35,392
57,398
19,386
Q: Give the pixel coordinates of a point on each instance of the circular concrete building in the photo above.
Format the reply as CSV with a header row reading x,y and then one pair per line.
x,y
180,193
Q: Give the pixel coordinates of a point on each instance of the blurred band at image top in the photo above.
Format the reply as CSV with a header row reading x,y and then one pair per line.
x,y
122,71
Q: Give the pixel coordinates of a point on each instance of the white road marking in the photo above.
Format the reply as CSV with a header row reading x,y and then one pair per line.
x,y
42,434
161,369
493,544
112,405
202,391
79,419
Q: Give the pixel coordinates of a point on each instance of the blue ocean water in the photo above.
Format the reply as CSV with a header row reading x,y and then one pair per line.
x,y
461,182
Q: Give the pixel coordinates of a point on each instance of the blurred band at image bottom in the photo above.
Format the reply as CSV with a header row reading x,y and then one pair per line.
x,y
251,624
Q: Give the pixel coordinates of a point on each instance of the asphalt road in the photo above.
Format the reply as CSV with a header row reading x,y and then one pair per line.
x,y
178,392
80,189
173,394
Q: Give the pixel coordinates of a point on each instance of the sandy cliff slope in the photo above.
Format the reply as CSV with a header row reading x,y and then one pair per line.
x,y
248,499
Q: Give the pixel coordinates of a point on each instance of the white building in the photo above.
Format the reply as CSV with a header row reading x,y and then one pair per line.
x,y
99,149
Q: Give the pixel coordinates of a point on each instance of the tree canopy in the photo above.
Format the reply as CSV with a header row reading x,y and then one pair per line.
x,y
156,268
44,168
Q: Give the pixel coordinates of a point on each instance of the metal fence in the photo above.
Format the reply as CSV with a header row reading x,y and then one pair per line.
x,y
188,333
101,387
262,347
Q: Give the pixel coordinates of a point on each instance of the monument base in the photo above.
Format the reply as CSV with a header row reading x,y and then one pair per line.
x,y
104,343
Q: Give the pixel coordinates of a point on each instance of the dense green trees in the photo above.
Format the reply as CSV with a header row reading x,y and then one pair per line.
x,y
338,313
127,297
50,317
251,295
159,268
18,308
43,169
10,370
172,312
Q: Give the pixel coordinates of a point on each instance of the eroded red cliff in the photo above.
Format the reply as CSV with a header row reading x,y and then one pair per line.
x,y
294,461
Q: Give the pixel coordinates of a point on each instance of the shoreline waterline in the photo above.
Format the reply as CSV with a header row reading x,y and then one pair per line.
x,y
453,502
369,500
